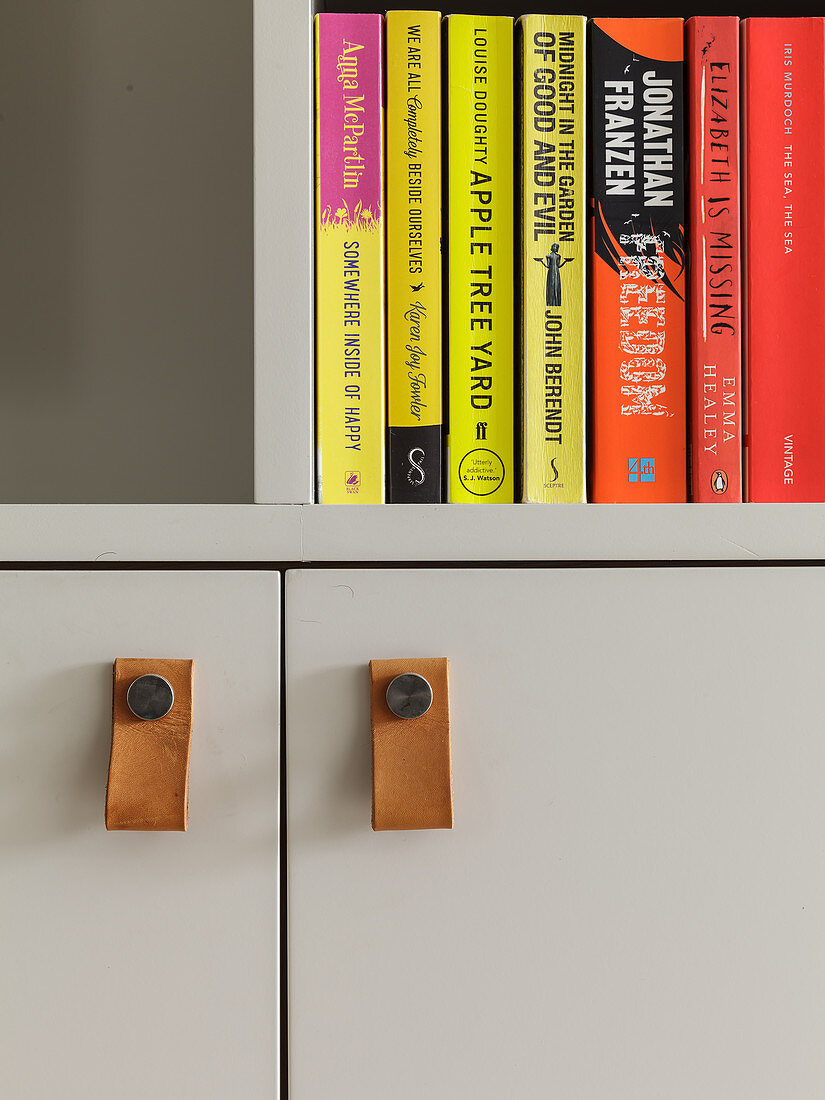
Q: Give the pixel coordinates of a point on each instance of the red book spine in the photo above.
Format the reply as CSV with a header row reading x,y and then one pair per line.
x,y
784,256
715,337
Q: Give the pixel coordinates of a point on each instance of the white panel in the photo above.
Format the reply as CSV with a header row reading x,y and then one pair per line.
x,y
126,287
138,965
147,532
284,422
563,532
631,903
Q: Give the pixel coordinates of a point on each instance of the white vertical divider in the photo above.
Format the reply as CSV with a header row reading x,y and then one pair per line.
x,y
284,195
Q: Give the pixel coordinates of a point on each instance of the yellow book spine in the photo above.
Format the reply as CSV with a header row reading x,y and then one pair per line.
x,y
414,320
480,258
553,257
349,259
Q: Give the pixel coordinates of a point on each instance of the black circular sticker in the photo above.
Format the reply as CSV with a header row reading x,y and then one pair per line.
x,y
481,472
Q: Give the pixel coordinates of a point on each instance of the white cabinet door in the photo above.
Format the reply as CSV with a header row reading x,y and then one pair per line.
x,y
631,904
137,965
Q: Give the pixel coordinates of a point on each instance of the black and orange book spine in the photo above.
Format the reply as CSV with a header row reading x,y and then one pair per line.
x,y
638,405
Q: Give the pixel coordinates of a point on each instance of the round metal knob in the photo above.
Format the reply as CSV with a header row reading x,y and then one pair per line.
x,y
150,697
409,695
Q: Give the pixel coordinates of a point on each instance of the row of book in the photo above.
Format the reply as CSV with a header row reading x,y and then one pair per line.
x,y
561,360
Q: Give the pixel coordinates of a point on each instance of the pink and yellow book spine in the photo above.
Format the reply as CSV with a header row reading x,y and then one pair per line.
x,y
349,258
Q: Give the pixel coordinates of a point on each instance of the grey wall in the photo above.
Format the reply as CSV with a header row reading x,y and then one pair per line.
x,y
126,368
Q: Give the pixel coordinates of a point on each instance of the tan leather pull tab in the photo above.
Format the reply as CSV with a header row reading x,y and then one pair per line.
x,y
411,769
148,785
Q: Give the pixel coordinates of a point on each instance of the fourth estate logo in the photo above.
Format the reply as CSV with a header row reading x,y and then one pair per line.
x,y
641,469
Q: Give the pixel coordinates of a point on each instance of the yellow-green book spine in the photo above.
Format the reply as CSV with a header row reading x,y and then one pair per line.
x,y
349,258
553,257
481,246
414,321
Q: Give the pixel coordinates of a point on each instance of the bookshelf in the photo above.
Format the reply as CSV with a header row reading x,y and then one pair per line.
x,y
156,486
150,406
503,534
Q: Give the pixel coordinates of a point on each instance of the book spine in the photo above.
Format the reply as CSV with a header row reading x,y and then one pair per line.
x,y
349,259
638,260
784,246
715,356
481,264
414,321
553,257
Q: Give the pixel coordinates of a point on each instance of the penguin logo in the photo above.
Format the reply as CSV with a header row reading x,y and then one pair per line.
x,y
719,482
555,477
416,475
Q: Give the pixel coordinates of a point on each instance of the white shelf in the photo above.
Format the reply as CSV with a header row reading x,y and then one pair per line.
x,y
566,532
107,533
101,534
